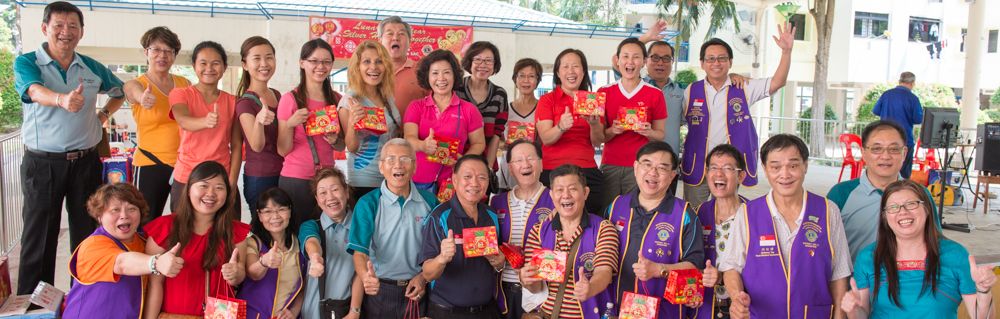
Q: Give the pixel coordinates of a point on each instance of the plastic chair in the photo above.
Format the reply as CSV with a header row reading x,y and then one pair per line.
x,y
928,162
848,140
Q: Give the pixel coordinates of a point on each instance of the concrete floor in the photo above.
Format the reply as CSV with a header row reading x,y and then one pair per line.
x,y
981,242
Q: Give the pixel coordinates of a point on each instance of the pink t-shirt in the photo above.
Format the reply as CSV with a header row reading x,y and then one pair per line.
x,y
457,121
210,144
299,161
621,149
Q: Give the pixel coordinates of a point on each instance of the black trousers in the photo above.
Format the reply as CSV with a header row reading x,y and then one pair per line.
x,y
45,183
595,178
303,202
390,302
513,293
357,192
488,311
153,181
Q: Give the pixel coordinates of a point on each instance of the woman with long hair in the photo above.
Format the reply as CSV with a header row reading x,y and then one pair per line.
x,y
912,271
304,154
255,110
370,84
275,265
210,238
157,132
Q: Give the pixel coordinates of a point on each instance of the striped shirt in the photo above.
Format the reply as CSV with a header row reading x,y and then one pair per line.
x,y
606,254
519,211
493,109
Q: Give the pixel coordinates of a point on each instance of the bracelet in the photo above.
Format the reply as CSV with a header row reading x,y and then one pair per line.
x,y
106,113
58,100
983,292
261,262
152,265
356,309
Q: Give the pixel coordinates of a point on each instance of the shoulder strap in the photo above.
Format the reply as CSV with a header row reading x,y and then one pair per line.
x,y
557,308
309,139
322,243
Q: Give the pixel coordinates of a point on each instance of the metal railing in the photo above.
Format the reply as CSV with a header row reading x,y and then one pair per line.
x,y
832,151
11,224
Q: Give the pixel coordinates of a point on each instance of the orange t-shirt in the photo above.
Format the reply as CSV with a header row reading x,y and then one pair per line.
x,y
157,132
210,144
407,87
96,255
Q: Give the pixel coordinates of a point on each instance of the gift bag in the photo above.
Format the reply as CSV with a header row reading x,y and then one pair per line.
x,y
513,255
520,131
638,306
684,286
551,264
589,103
446,152
446,189
225,307
374,121
480,241
633,118
323,121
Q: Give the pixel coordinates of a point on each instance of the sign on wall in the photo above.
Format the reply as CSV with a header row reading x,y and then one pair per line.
x,y
344,35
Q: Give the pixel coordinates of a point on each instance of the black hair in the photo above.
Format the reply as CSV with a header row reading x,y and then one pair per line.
x,y
881,124
728,150
635,41
471,158
715,41
585,83
209,45
567,170
424,68
60,7
534,146
280,197
300,93
528,63
659,43
782,141
475,49
656,147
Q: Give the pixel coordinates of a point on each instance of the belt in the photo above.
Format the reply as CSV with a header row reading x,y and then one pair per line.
x,y
69,156
472,309
398,283
514,285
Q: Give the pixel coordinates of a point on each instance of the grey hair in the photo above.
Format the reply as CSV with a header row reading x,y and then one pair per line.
x,y
394,19
907,77
398,141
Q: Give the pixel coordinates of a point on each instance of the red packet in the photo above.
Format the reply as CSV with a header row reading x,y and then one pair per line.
x,y
513,254
323,121
374,121
638,306
551,264
684,286
447,151
633,118
445,191
480,241
589,103
520,130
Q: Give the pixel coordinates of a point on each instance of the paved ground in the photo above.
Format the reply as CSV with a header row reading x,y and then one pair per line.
x,y
981,242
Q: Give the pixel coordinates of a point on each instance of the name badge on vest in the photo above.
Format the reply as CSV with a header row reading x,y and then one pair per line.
x,y
768,246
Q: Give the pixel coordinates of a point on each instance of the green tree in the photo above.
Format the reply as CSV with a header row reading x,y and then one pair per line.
x,y
10,112
686,77
805,127
8,27
598,12
995,98
688,13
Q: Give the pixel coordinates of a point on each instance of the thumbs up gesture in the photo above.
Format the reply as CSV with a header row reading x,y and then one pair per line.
x,y
983,276
357,112
212,119
370,281
316,268
447,248
148,98
644,269
740,308
273,258
169,263
265,116
853,300
430,144
230,270
581,290
710,276
565,120
73,101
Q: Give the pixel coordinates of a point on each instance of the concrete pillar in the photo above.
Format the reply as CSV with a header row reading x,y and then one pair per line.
x,y
788,107
973,62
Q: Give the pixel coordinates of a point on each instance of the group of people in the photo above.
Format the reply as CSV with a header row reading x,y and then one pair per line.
x,y
385,238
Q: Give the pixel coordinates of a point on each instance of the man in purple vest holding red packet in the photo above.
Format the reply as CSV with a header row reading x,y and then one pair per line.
x,y
787,236
717,112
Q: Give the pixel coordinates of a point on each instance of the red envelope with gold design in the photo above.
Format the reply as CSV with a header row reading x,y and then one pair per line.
x,y
446,152
684,286
323,121
551,264
513,254
638,306
374,121
589,103
633,118
517,130
480,241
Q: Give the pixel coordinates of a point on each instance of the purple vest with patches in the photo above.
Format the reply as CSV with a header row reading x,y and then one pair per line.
x,y
260,294
501,205
742,133
802,290
122,299
706,215
661,244
592,308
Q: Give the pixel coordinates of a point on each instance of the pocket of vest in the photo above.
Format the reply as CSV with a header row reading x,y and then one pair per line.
x,y
818,311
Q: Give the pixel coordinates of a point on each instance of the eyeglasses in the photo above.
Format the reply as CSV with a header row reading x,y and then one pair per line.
x,y
392,160
661,169
272,211
158,51
894,150
910,206
321,62
526,76
713,59
657,59
482,61
521,161
728,170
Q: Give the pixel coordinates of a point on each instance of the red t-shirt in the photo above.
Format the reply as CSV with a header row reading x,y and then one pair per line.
x,y
574,146
185,293
621,149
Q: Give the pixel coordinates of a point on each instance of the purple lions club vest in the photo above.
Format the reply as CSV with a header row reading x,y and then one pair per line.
x,y
122,299
661,244
501,204
801,291
592,308
740,128
260,294
706,215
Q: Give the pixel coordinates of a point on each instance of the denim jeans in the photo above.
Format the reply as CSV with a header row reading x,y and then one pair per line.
x,y
253,186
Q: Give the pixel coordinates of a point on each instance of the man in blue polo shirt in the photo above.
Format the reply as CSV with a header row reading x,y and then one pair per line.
x,y
900,105
385,236
463,287
61,130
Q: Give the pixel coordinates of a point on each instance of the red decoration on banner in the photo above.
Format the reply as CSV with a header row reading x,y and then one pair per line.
x,y
344,35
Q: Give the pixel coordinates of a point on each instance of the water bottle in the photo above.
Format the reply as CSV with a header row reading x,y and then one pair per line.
x,y
609,311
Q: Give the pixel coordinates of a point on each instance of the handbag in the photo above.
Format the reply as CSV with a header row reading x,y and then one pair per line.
x,y
225,307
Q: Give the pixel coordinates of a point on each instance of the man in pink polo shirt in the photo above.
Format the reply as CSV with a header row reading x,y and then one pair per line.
x,y
395,35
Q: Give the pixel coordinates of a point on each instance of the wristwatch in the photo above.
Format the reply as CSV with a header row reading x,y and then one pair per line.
x,y
663,271
356,310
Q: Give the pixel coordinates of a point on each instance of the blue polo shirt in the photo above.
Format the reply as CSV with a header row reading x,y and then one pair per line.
x,y
386,227
338,264
54,129
465,282
900,105
673,93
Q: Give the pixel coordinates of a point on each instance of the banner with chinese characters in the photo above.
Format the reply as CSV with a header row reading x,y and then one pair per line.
x,y
344,35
